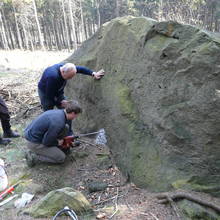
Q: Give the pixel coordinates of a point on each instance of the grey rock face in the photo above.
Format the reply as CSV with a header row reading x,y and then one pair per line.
x,y
159,101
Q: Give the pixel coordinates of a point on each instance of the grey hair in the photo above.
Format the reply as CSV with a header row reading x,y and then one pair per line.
x,y
68,67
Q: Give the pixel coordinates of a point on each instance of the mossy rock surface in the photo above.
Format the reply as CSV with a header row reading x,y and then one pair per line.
x,y
192,211
56,200
159,101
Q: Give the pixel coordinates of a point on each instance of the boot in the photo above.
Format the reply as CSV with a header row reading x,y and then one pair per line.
x,y
31,158
4,141
10,134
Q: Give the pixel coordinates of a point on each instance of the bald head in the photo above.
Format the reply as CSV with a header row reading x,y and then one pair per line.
x,y
68,70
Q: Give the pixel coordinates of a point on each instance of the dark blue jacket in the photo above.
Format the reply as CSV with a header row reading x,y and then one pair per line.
x,y
52,83
45,129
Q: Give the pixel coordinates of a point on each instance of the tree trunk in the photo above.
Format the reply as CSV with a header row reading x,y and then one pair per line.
x,y
29,34
17,29
12,37
82,23
67,39
93,27
73,31
55,38
65,26
25,34
117,8
62,35
216,25
97,5
38,26
211,18
7,31
3,34
49,43
86,30
160,11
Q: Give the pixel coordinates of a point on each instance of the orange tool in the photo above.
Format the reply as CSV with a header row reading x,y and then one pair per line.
x,y
7,191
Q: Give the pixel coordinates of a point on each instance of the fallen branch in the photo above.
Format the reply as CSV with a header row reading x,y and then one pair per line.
x,y
106,200
30,108
116,206
151,214
165,198
154,216
129,207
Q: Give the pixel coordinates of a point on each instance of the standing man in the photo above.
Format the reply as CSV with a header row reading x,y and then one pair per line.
x,y
6,126
54,79
45,134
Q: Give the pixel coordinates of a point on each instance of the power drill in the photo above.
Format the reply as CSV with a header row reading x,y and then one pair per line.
x,y
69,140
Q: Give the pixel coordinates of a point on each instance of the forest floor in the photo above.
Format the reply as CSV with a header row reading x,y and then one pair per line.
x,y
19,73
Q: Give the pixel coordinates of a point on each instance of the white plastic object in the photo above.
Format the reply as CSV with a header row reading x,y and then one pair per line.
x,y
3,176
101,137
24,200
5,201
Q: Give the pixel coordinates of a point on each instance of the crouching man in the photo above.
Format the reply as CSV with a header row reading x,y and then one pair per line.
x,y
45,134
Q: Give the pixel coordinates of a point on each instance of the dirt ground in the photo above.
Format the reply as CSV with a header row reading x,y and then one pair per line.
x,y
89,163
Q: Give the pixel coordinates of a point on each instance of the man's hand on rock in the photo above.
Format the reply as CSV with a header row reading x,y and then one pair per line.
x,y
99,74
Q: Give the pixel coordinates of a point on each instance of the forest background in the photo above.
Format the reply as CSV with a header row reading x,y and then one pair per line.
x,y
65,24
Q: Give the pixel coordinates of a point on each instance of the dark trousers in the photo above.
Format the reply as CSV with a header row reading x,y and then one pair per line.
x,y
4,116
48,104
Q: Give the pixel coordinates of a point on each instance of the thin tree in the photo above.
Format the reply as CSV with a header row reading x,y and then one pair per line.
x,y
97,4
17,28
38,25
3,33
73,32
82,22
65,25
160,10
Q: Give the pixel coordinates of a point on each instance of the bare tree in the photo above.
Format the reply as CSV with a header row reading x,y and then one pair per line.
x,y
97,4
3,34
82,22
160,10
18,35
65,25
73,29
38,25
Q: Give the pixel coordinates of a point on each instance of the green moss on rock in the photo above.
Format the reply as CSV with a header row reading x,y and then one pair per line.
x,y
193,211
56,200
157,100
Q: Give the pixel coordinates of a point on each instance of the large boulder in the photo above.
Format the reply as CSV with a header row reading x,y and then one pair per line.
x,y
159,101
